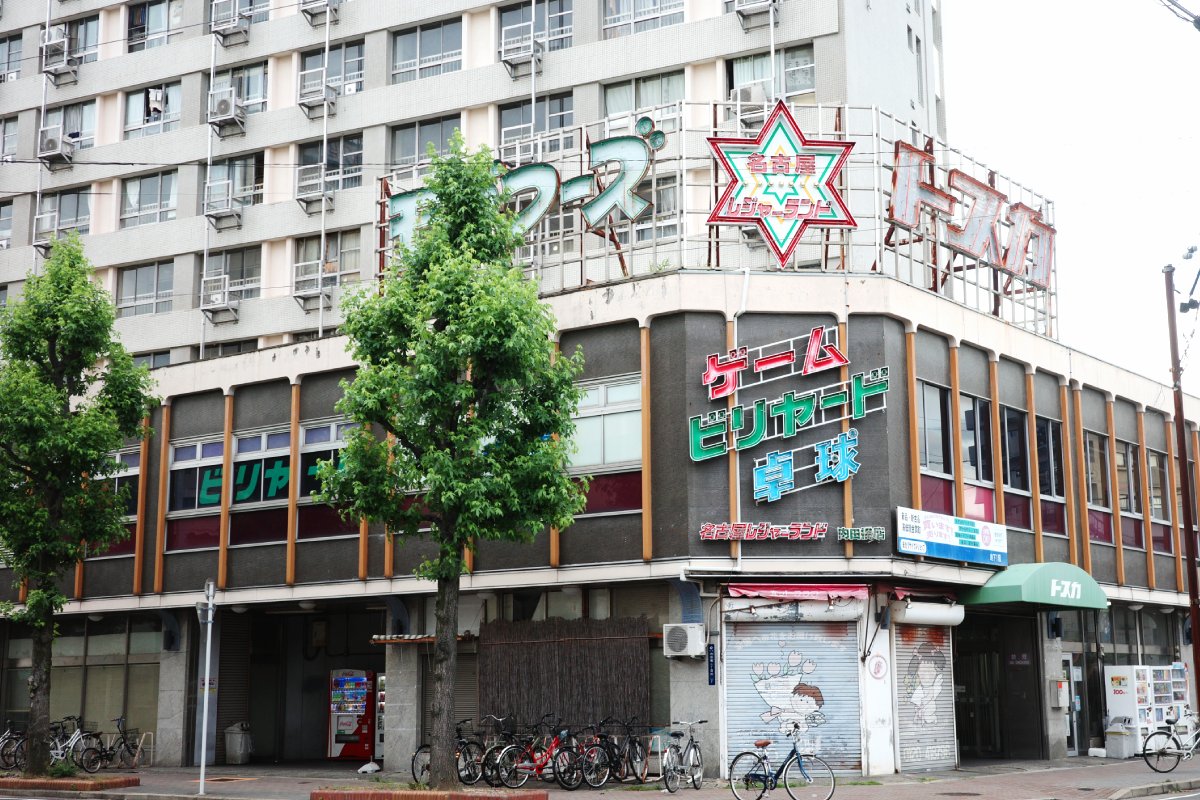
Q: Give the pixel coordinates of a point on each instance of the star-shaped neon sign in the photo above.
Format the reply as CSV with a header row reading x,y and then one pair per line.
x,y
781,182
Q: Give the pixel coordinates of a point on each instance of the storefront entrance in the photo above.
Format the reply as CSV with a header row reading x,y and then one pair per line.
x,y
996,699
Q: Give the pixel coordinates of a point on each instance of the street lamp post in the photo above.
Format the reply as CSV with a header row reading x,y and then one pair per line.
x,y
205,611
1185,483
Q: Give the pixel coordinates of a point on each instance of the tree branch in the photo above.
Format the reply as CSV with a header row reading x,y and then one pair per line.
x,y
13,461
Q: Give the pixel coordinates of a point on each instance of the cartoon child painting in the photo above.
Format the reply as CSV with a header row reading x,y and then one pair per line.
x,y
791,700
924,681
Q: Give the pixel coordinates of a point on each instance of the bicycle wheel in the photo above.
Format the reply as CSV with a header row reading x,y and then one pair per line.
x,y
420,765
808,778
618,767
637,759
1162,751
470,763
695,767
596,766
6,753
567,769
488,765
19,756
89,760
670,768
748,776
508,767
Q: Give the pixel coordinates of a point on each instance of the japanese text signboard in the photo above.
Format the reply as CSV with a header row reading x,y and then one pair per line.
x,y
923,533
781,182
786,471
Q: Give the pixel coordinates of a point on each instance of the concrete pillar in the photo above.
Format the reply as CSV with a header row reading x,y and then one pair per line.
x,y
170,735
691,697
1054,720
402,720
879,674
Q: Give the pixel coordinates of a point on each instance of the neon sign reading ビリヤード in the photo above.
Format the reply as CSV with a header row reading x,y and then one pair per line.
x,y
783,472
541,186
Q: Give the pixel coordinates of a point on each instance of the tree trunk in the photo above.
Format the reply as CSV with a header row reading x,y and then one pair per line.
x,y
37,741
443,766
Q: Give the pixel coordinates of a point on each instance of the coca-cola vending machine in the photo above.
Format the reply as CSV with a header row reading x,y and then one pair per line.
x,y
351,714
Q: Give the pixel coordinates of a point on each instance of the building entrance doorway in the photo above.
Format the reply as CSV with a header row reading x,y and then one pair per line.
x,y
996,699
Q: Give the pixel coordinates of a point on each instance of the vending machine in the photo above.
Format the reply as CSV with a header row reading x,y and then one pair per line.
x,y
380,708
351,714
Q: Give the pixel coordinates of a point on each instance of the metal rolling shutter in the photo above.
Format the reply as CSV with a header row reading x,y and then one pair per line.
x,y
466,692
765,662
924,675
233,676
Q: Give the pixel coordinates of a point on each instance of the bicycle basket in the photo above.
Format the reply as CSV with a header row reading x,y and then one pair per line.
x,y
503,726
132,735
87,726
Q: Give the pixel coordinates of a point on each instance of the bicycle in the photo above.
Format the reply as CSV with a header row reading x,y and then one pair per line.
x,y
624,759
62,746
123,751
677,763
1163,749
468,752
504,731
8,742
750,774
518,761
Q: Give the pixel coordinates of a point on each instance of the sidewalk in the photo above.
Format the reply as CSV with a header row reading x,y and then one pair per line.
x,y
1067,779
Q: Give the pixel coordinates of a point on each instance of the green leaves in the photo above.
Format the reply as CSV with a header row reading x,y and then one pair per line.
x,y
464,408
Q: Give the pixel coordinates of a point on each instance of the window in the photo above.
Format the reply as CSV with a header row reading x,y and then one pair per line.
x,y
3,294
1096,465
235,182
320,441
343,161
153,360
1014,455
151,24
920,73
77,122
1129,481
254,10
345,67
8,136
341,258
427,51
261,485
145,289
410,143
83,38
249,84
608,426
661,221
623,17
195,486
652,91
148,199
243,266
1051,481
553,113
152,110
795,72
222,349
10,57
553,25
1160,517
62,212
6,211
933,439
126,479
976,432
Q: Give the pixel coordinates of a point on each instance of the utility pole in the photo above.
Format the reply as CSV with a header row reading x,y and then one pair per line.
x,y
1185,483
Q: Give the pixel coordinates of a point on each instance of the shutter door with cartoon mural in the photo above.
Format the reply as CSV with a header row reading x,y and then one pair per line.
x,y
777,674
925,697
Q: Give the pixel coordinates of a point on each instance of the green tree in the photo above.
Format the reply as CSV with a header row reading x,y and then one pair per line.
x,y
70,397
457,371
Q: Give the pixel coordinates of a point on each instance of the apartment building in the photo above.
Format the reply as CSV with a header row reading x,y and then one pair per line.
x,y
235,167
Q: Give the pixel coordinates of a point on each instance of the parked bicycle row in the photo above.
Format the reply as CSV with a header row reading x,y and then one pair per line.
x,y
571,755
72,738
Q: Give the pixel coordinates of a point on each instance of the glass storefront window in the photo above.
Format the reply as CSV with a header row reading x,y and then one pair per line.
x,y
145,636
66,691
141,706
106,638
105,691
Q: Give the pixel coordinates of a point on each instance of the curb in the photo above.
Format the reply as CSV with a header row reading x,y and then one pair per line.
x,y
1162,787
418,794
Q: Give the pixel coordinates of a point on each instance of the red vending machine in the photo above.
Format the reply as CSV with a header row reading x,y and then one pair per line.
x,y
351,714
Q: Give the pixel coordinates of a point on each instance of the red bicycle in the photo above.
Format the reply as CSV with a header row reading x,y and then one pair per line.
x,y
517,762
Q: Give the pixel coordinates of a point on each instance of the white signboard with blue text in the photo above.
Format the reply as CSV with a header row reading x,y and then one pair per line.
x,y
923,533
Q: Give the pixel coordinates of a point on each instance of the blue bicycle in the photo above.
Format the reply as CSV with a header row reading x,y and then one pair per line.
x,y
804,776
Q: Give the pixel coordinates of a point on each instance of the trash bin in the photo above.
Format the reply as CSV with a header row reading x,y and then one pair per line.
x,y
237,743
1120,738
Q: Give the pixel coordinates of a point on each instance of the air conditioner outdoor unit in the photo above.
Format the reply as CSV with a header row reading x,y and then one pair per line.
x,y
684,640
53,145
350,88
12,76
5,244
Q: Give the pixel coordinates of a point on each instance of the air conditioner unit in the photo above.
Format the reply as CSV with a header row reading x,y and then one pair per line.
x,y
350,88
12,76
224,108
5,244
684,640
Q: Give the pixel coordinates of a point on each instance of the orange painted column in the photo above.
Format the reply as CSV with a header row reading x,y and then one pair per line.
x,y
997,449
78,587
226,493
293,512
1172,477
164,475
1144,489
1035,475
139,527
914,430
1080,455
1069,472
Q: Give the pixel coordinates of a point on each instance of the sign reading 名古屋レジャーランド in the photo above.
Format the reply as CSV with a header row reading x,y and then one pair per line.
x,y
922,533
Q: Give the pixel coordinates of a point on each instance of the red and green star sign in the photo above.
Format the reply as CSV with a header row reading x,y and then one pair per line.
x,y
781,182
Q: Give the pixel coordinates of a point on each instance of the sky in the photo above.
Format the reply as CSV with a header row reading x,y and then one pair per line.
x,y
1095,105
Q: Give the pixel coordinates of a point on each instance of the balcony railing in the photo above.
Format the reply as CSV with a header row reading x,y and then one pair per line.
x,y
313,277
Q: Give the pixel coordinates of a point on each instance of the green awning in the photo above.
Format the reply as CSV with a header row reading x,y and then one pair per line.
x,y
1054,584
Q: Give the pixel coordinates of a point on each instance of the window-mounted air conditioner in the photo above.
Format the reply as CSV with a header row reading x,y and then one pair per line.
x,y
684,640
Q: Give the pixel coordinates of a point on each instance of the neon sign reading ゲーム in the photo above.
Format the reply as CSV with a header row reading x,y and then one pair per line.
x,y
783,472
979,235
541,186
